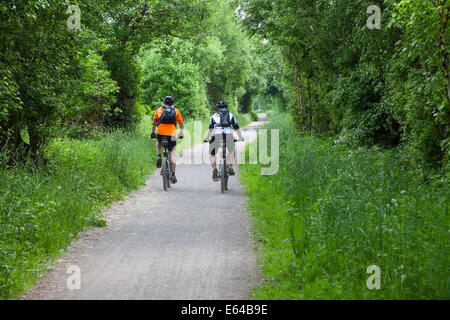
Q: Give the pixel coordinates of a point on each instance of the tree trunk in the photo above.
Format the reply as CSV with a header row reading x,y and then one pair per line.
x,y
35,145
443,53
310,103
11,140
299,95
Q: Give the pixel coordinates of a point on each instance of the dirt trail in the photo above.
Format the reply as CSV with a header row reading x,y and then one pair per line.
x,y
189,243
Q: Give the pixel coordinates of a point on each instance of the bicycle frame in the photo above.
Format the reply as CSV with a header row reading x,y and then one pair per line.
x,y
223,172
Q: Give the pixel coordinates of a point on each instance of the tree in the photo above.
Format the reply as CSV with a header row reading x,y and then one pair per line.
x,y
169,68
50,73
368,86
38,58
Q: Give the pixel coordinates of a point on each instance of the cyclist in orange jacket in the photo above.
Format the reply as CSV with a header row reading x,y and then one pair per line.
x,y
165,119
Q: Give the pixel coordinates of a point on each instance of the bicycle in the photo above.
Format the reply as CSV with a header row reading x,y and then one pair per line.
x,y
223,172
166,169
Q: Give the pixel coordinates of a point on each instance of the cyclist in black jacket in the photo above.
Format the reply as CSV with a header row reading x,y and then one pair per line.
x,y
222,122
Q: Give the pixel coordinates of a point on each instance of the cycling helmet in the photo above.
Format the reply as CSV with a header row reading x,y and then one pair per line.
x,y
169,100
221,105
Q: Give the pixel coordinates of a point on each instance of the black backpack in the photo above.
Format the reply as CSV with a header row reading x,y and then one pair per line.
x,y
168,116
224,118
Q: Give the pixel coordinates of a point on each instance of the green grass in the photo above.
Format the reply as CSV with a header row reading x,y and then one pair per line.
x,y
332,211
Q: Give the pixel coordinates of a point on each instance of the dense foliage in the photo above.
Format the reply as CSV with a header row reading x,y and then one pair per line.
x,y
386,86
223,66
125,57
53,76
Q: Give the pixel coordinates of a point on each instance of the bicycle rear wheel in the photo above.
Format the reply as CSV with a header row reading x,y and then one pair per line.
x,y
226,180
165,174
222,178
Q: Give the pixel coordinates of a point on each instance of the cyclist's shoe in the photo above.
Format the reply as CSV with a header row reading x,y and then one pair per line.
x,y
173,179
215,174
158,162
230,171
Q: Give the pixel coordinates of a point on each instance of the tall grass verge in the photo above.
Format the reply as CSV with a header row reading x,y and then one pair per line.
x,y
42,209
333,211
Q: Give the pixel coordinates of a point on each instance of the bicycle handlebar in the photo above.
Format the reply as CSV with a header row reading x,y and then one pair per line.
x,y
235,140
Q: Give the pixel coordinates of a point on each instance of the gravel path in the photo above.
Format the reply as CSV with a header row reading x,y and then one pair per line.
x,y
189,243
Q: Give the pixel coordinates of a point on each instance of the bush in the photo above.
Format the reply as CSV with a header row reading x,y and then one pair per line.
x,y
254,115
242,119
423,120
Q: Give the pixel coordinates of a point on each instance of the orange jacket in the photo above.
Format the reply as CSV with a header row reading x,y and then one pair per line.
x,y
167,129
